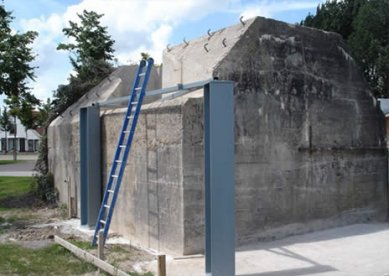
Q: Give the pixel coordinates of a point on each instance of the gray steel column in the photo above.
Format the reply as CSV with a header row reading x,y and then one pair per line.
x,y
90,164
219,178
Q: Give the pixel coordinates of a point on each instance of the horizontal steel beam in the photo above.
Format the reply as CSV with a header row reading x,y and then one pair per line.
x,y
179,89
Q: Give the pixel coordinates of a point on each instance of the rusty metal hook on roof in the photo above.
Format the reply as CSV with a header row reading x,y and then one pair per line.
x,y
241,20
168,48
210,34
224,42
186,42
205,47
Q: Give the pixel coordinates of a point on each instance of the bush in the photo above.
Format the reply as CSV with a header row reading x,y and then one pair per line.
x,y
45,187
44,180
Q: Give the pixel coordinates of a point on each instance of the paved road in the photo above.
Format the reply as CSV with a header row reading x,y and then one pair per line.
x,y
24,168
21,156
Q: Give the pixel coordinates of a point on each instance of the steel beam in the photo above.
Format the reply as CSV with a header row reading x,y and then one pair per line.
x,y
218,175
90,164
180,90
219,178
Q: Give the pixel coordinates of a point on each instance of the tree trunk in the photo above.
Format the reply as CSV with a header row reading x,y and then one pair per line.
x,y
26,148
6,143
15,154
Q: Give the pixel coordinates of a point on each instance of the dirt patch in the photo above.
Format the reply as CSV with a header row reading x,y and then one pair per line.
x,y
28,200
35,228
22,226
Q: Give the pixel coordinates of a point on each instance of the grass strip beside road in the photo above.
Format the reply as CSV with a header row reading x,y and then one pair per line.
x,y
15,186
8,162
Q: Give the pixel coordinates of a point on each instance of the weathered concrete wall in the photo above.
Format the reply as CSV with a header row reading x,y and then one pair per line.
x,y
309,135
63,133
149,210
309,151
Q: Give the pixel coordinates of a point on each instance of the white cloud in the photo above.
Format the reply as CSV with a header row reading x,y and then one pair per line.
x,y
269,8
135,25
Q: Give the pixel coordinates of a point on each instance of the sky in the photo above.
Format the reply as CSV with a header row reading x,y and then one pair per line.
x,y
136,26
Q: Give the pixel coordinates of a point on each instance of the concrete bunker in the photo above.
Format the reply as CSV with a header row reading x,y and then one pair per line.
x,y
309,141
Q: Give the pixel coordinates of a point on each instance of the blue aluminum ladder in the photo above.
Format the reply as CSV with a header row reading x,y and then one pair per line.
x,y
123,149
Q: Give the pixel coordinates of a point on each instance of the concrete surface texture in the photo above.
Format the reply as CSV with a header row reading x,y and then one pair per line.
x,y
63,133
310,141
356,250
310,138
149,209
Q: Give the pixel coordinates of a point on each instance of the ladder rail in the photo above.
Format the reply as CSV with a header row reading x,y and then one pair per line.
x,y
127,150
131,113
118,150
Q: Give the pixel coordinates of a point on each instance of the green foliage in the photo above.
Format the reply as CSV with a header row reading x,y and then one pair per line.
x,y
370,44
90,55
44,180
92,43
26,115
50,260
5,121
45,111
16,56
45,187
365,26
7,162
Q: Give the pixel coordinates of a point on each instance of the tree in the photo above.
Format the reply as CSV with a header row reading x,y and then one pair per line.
x,y
44,113
93,47
370,44
15,58
91,56
365,26
21,107
26,116
15,66
5,125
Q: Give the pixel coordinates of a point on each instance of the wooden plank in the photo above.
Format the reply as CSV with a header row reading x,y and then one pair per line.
x,y
161,265
89,257
100,245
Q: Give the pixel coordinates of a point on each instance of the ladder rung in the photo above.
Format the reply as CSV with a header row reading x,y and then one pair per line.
x,y
129,125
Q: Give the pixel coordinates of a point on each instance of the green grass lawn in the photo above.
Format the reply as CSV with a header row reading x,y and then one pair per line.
x,y
14,186
15,259
50,260
7,162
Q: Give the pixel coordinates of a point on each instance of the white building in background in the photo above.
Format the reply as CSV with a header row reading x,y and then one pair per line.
x,y
25,141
